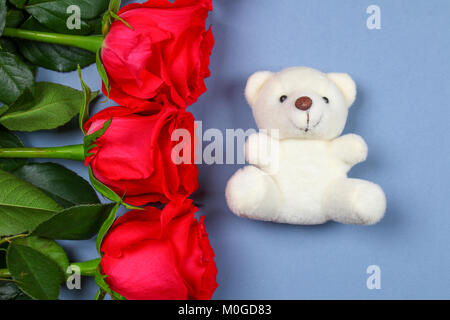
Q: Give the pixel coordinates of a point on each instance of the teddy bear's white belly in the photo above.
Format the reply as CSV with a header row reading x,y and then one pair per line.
x,y
305,169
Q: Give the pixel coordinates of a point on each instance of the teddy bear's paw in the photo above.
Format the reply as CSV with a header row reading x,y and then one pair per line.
x,y
350,148
354,201
253,194
369,203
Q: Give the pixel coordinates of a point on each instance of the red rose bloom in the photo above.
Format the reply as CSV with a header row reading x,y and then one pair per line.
x,y
166,53
151,254
135,156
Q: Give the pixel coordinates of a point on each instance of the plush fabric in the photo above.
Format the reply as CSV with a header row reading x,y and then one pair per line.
x,y
298,160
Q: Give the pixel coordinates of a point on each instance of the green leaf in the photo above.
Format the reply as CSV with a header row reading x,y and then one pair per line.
x,y
14,18
53,13
104,190
18,3
77,223
100,295
3,248
100,281
3,11
105,227
10,291
8,45
15,77
107,20
53,106
108,193
59,183
96,26
49,248
89,140
35,273
106,23
10,140
88,98
102,72
22,206
114,5
116,17
53,56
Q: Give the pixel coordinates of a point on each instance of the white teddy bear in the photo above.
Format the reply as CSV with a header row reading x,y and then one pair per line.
x,y
301,178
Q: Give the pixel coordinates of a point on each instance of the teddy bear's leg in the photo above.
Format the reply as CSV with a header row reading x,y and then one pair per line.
x,y
253,194
354,201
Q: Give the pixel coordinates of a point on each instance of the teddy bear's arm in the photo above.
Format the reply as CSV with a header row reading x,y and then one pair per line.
x,y
259,148
350,148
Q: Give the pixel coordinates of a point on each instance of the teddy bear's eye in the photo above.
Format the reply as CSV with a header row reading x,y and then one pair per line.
x,y
282,98
326,99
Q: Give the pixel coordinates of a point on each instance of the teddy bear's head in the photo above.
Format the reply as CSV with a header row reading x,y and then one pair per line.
x,y
301,102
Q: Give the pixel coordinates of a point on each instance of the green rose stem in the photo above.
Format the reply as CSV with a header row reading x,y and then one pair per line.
x,y
4,273
74,152
9,239
90,43
87,268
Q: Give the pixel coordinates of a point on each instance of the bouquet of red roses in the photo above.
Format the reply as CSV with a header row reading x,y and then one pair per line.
x,y
152,59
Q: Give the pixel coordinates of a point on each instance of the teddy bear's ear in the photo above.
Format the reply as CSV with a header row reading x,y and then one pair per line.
x,y
346,85
254,85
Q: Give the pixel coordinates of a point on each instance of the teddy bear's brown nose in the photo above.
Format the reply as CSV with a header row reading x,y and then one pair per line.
x,y
303,103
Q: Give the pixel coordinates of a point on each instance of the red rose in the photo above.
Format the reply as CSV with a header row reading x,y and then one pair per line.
x,y
166,53
152,254
134,156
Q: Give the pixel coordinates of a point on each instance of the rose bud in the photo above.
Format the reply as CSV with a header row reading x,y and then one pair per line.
x,y
142,157
152,254
165,52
